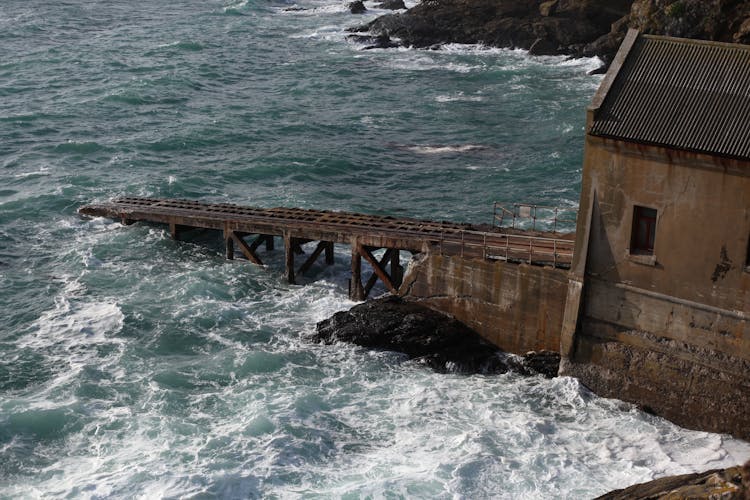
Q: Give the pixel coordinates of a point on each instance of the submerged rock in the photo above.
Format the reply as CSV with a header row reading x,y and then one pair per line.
x,y
432,338
728,484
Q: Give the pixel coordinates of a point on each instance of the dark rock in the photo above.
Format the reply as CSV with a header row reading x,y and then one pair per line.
x,y
548,8
357,7
731,483
502,23
601,70
391,5
543,47
572,27
743,33
431,338
545,363
373,42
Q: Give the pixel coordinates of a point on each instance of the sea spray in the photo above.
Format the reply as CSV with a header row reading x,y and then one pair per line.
x,y
133,364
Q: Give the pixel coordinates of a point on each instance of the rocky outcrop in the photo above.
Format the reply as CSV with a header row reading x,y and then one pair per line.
x,y
373,41
357,7
718,20
728,484
552,27
429,337
572,27
391,5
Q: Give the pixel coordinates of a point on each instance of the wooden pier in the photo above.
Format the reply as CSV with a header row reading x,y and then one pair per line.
x,y
248,228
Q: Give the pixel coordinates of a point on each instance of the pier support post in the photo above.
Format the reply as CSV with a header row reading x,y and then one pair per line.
x,y
229,243
269,242
356,290
174,230
397,270
329,253
289,248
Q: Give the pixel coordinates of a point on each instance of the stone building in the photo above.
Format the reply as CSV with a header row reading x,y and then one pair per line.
x,y
659,291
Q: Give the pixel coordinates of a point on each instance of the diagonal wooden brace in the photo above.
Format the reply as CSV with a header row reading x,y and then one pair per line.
x,y
374,278
323,245
245,248
378,268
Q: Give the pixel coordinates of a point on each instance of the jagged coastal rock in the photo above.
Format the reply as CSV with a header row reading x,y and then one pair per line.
x,y
391,5
728,484
357,7
570,27
432,338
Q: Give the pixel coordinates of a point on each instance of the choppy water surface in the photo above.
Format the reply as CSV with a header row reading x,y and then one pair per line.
x,y
133,365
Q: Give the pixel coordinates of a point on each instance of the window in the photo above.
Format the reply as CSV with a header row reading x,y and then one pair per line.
x,y
747,259
644,231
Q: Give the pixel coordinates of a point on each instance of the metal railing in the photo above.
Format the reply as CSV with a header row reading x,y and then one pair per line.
x,y
537,250
539,217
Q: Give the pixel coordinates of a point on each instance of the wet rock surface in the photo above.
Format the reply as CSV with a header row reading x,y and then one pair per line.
x,y
373,42
557,27
391,5
567,27
357,7
728,484
429,337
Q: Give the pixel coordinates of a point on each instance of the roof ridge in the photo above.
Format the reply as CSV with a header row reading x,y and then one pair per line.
x,y
680,93
696,41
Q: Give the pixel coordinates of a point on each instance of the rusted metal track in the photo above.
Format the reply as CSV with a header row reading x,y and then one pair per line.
x,y
365,233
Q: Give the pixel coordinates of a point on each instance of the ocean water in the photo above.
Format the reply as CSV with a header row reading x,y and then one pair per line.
x,y
135,366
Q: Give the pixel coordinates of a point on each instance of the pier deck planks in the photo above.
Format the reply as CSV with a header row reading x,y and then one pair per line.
x,y
363,232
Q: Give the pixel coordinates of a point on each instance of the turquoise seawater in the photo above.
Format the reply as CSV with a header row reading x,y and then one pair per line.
x,y
135,366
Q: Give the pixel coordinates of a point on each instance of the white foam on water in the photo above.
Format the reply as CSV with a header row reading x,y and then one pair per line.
x,y
235,6
322,10
411,60
75,323
41,172
444,148
341,420
459,97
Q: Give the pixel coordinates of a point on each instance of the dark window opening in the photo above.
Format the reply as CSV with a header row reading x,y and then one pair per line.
x,y
644,231
747,259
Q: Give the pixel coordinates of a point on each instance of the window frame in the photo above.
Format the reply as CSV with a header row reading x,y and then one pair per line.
x,y
643,230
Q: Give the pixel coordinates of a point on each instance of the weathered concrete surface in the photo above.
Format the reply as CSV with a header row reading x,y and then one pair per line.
x,y
729,484
517,307
668,331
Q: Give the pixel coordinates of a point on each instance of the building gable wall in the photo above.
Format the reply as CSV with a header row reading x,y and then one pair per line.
x,y
668,331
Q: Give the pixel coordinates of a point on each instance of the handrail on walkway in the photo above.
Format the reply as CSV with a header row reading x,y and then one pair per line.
x,y
539,250
520,214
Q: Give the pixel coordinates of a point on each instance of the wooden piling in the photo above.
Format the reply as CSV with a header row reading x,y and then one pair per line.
x,y
365,234
356,290
289,250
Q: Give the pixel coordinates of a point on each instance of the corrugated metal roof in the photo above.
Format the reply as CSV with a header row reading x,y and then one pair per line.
x,y
683,94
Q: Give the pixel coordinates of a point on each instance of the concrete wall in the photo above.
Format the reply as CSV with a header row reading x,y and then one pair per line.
x,y
517,307
668,331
